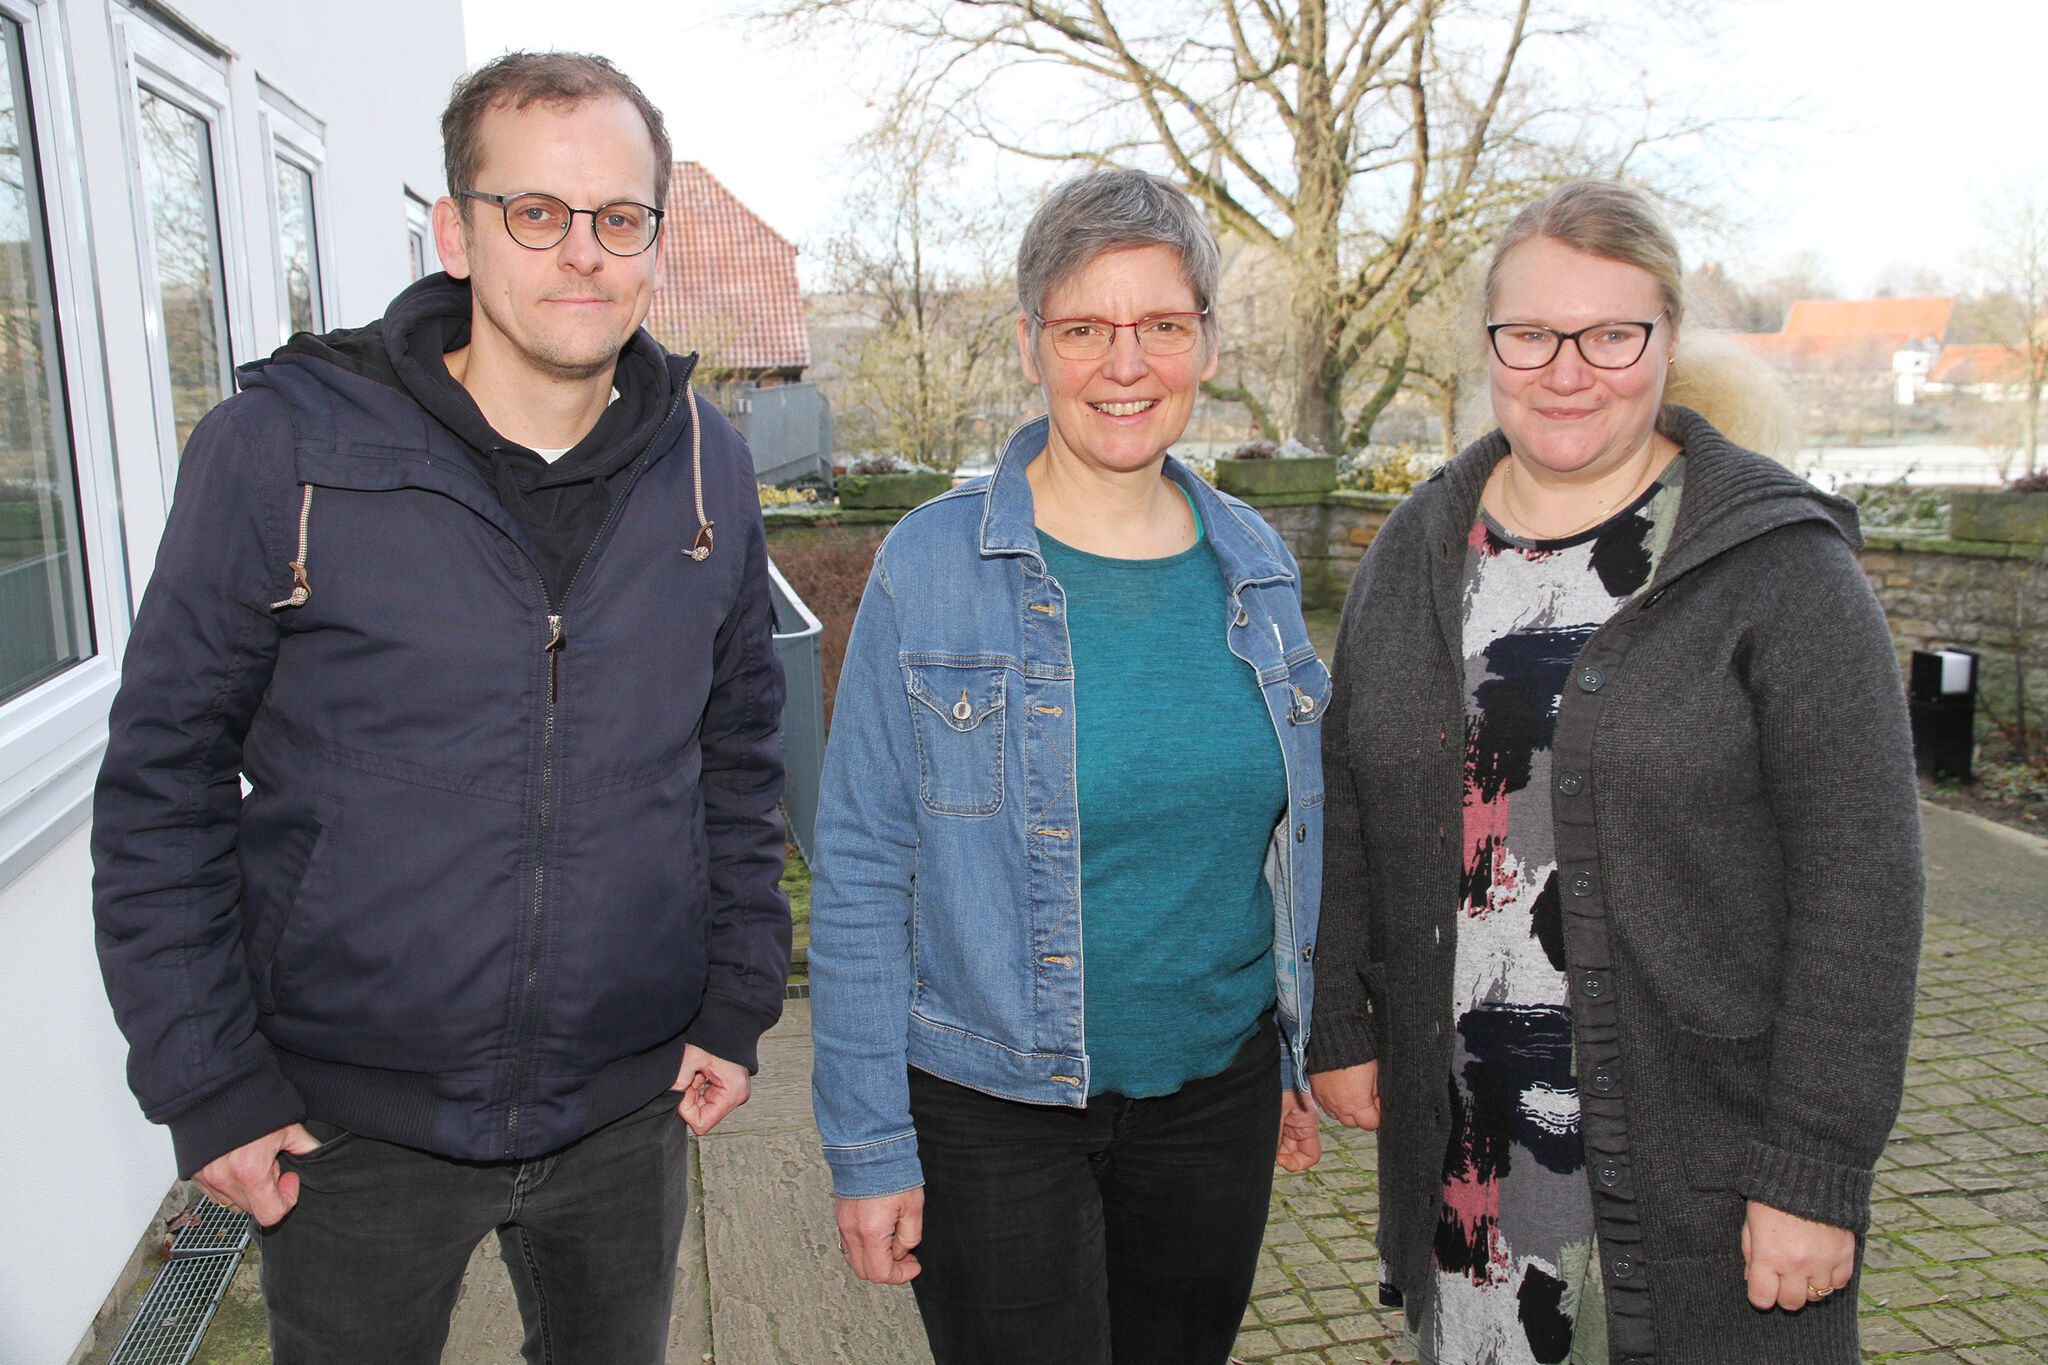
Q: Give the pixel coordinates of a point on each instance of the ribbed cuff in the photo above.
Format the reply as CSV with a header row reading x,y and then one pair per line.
x,y
879,1168
729,1031
1335,1042
1808,1187
260,1101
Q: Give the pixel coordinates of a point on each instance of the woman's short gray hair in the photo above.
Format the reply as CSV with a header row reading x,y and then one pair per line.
x,y
1112,210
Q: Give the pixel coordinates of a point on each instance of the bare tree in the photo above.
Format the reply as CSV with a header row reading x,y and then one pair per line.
x,y
1369,146
2012,255
923,298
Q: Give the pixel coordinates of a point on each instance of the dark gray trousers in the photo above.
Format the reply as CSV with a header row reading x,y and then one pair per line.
x,y
367,1267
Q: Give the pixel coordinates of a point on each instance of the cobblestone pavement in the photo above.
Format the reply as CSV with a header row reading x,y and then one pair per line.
x,y
1957,1265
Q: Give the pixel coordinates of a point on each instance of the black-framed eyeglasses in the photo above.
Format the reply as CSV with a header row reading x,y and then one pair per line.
x,y
1091,338
1604,345
538,221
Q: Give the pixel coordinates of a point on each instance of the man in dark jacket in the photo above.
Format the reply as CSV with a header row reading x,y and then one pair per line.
x,y
437,848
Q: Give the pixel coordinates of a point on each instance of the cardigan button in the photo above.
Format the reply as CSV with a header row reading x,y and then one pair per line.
x,y
1594,984
1582,884
1591,679
1624,1268
1610,1175
1601,1082
1571,782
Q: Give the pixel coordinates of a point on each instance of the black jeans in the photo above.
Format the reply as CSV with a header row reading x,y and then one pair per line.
x,y
367,1267
1126,1232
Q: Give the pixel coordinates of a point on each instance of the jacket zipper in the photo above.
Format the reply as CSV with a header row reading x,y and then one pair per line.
x,y
557,641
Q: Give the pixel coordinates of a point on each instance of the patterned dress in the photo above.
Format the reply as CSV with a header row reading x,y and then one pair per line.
x,y
1514,1240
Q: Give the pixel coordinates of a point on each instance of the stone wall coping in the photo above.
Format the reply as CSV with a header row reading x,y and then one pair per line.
x,y
1920,542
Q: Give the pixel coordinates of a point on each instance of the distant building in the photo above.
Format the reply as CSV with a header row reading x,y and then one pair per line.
x,y
1898,343
1992,373
728,286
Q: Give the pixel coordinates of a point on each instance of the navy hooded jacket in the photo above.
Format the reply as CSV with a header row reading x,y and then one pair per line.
x,y
508,845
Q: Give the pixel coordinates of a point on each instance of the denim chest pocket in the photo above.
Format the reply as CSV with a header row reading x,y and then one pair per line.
x,y
956,711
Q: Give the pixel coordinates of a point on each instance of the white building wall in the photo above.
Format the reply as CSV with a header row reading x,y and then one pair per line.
x,y
371,76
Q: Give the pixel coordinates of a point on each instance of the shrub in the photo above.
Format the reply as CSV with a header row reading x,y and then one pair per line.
x,y
786,497
1383,469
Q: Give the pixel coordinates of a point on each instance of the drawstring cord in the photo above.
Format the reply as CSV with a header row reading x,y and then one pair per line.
x,y
302,591
701,550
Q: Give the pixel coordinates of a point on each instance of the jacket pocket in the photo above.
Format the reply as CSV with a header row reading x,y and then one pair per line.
x,y
280,841
956,711
1717,1090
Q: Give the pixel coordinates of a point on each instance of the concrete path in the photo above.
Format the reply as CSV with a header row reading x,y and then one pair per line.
x,y
1958,1260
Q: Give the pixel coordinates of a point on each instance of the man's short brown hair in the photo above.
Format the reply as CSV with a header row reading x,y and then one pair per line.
x,y
518,79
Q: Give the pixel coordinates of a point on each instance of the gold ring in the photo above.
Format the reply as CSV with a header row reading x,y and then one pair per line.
x,y
1819,1293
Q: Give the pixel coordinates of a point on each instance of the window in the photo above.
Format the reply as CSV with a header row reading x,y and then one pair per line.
x,y
45,625
186,223
59,619
298,248
297,204
419,236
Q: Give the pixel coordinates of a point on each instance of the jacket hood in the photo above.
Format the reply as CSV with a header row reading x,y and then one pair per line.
x,y
560,507
403,350
1731,494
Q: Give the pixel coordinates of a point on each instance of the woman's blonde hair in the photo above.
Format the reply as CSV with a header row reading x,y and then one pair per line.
x,y
1711,373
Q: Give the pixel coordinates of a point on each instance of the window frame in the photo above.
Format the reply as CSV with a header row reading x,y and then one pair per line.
x,y
293,136
419,224
150,57
52,734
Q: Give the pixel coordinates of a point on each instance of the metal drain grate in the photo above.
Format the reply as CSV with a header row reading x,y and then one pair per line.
x,y
215,1227
172,1320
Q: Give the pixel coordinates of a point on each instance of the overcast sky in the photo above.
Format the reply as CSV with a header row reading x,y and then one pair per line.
x,y
1909,111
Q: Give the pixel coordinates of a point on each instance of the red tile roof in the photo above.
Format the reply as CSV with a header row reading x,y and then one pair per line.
x,y
728,281
1922,317
1977,365
1819,352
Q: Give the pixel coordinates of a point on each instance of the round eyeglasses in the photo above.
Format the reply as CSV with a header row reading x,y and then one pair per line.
x,y
539,221
1604,345
1091,338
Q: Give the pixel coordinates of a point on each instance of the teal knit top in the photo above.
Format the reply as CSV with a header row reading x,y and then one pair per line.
x,y
1181,783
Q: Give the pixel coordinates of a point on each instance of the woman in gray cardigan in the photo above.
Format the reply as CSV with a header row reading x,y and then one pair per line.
x,y
1623,883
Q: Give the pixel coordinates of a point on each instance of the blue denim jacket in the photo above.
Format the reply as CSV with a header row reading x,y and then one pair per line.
x,y
946,910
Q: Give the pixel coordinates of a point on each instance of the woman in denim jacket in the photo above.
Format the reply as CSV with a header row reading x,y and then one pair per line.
x,y
1087,670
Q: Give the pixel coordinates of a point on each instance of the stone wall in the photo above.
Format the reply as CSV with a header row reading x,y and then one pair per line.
x,y
1974,595
1937,594
1328,534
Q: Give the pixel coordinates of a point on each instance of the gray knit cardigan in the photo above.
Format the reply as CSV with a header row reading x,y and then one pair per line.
x,y
1738,846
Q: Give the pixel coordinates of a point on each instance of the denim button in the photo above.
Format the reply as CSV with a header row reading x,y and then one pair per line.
x,y
1308,952
1244,618
1582,884
963,709
1571,782
1591,679
1300,834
